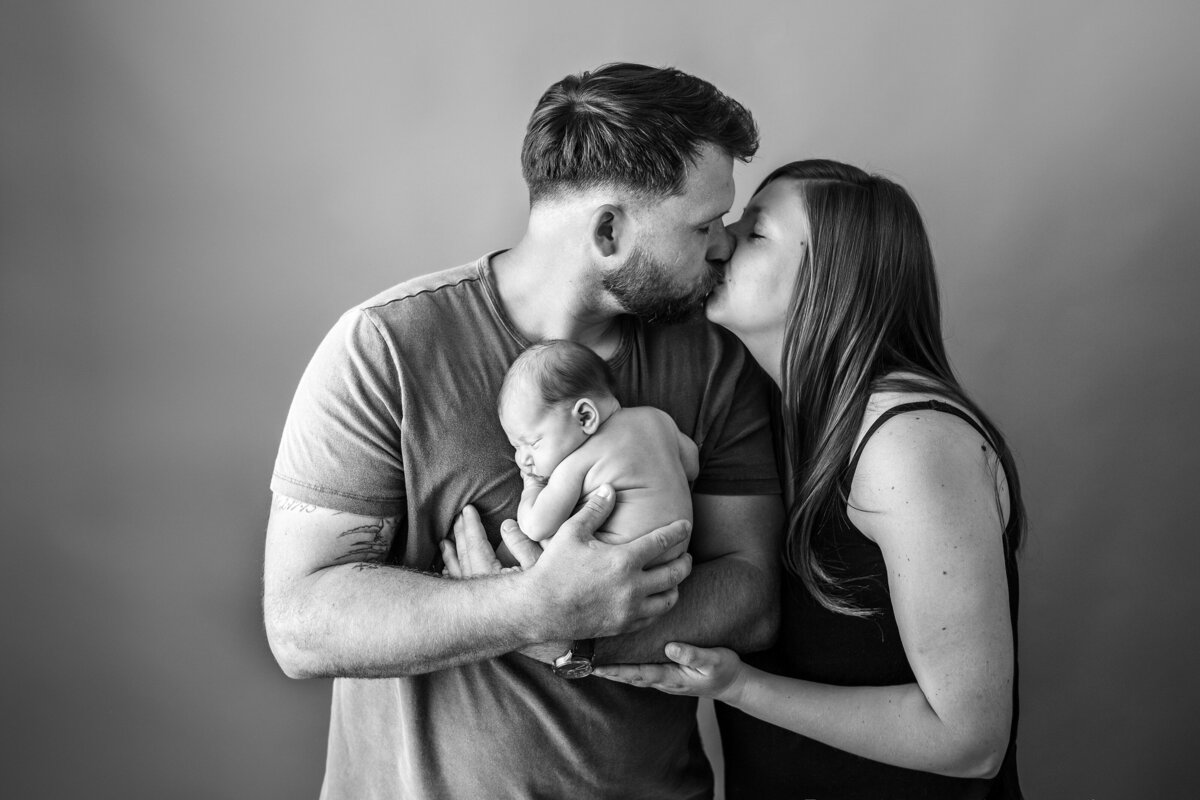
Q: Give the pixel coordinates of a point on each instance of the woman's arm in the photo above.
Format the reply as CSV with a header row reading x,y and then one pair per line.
x,y
925,491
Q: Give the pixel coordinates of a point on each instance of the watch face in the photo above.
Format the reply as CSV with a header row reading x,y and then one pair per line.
x,y
575,668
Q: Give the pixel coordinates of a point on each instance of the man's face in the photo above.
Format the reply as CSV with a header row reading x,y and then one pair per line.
x,y
680,245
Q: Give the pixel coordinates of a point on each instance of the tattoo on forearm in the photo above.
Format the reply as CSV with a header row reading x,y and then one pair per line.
x,y
367,545
290,504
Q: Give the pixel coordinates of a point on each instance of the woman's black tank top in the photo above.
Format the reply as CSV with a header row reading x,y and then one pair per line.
x,y
763,761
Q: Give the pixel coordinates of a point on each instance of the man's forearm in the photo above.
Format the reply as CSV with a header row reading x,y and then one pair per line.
x,y
333,608
369,620
728,602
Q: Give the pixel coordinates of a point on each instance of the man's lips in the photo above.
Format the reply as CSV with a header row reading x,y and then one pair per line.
x,y
720,275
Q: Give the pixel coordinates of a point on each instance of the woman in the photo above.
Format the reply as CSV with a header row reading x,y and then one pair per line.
x,y
895,673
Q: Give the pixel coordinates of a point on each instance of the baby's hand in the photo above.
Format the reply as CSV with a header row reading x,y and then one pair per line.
x,y
533,480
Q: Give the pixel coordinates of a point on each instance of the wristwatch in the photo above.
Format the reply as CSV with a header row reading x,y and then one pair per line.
x,y
576,662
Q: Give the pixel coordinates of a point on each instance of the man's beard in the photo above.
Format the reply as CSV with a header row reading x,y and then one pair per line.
x,y
641,287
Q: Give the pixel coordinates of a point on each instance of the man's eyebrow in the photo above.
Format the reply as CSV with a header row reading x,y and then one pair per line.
x,y
711,220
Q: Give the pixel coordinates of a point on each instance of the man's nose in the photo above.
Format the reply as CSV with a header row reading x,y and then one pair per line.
x,y
721,243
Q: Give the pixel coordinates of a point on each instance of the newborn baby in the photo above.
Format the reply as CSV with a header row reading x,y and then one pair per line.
x,y
571,436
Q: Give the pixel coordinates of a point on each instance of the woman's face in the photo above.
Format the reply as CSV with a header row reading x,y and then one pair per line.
x,y
772,236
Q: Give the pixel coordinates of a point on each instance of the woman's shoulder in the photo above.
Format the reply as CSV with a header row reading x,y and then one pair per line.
x,y
909,415
921,455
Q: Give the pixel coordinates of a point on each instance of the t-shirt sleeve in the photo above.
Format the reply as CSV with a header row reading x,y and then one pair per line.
x,y
341,444
738,457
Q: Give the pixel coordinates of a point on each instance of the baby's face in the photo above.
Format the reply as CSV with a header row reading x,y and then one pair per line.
x,y
542,436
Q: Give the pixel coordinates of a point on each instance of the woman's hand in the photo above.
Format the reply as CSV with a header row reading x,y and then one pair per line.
x,y
715,672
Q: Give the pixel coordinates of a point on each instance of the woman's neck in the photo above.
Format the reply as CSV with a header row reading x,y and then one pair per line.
x,y
767,349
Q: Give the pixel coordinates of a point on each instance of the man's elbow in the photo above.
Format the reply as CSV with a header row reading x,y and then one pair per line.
x,y
291,643
759,626
295,662
763,629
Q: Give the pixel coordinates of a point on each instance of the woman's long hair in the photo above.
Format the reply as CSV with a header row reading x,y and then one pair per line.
x,y
865,306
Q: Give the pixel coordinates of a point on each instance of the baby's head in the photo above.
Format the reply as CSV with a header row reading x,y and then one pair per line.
x,y
555,395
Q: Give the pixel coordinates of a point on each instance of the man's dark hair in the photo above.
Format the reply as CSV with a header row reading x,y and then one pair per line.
x,y
632,126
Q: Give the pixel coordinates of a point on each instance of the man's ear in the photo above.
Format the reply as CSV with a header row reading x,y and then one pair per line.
x,y
587,415
608,225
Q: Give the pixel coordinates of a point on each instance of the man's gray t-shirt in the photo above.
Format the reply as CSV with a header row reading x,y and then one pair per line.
x,y
396,416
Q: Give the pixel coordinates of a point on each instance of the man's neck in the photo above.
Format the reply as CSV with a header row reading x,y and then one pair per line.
x,y
549,292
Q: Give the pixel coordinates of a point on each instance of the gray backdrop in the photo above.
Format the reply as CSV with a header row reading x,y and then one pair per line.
x,y
191,193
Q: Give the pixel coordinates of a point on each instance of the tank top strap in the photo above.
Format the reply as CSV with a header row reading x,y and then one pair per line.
x,y
903,408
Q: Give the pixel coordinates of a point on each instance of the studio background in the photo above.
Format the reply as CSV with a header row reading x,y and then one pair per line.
x,y
192,192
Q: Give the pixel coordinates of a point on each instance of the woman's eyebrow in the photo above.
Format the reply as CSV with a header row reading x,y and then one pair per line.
x,y
756,212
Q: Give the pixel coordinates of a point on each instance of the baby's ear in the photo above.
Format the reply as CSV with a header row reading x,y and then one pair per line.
x,y
586,415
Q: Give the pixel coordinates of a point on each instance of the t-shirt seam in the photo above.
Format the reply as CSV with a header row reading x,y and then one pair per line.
x,y
387,344
491,295
432,290
330,490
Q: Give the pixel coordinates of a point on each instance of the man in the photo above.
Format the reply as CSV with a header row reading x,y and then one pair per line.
x,y
394,431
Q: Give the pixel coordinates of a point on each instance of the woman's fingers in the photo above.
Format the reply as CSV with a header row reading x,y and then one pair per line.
x,y
701,671
651,675
697,658
668,678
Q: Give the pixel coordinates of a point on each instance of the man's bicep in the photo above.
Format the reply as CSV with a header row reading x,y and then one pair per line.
x,y
303,539
749,527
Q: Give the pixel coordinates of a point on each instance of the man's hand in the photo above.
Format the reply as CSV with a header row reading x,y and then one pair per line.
x,y
595,589
584,585
525,550
469,554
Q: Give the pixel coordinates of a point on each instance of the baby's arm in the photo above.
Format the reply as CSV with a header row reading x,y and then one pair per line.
x,y
545,506
689,454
